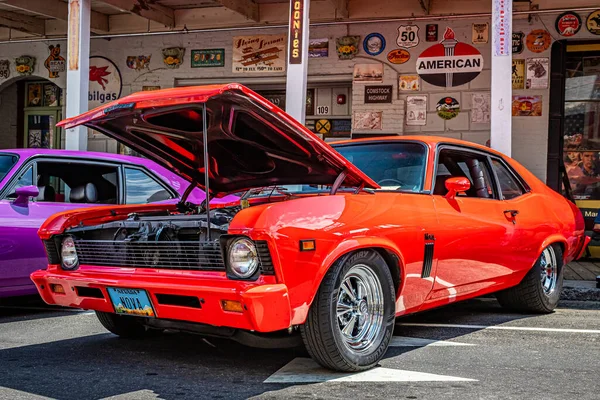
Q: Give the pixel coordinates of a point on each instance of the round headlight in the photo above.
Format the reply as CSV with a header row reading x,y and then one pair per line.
x,y
243,259
69,254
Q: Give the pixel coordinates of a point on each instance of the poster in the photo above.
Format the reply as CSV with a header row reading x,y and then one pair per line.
x,y
367,120
527,106
318,48
34,95
416,110
481,33
518,73
51,95
368,73
409,83
537,73
259,53
480,108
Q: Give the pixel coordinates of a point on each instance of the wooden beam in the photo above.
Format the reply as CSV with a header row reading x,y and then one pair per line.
x,y
58,10
341,8
426,5
147,9
247,8
23,23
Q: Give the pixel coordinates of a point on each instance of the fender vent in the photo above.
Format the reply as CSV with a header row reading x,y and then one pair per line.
x,y
428,256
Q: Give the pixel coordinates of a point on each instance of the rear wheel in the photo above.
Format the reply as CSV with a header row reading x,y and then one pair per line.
x,y
539,291
123,325
351,321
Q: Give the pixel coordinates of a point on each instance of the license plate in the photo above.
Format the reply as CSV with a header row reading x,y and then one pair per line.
x,y
131,302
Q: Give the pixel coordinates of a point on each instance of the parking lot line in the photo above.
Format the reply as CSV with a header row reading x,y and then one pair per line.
x,y
498,327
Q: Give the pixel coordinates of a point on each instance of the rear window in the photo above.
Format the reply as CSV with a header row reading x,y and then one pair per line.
x,y
7,161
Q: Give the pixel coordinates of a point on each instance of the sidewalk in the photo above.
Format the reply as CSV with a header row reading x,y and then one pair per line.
x,y
582,270
580,281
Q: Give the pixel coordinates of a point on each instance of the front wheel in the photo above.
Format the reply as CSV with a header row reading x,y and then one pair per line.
x,y
539,291
123,325
351,321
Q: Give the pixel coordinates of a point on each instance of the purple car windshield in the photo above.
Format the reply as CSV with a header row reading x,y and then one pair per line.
x,y
7,161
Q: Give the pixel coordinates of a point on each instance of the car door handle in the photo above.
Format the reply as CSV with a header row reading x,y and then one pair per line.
x,y
513,214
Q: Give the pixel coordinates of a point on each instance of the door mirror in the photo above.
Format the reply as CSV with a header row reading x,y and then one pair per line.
x,y
456,185
24,193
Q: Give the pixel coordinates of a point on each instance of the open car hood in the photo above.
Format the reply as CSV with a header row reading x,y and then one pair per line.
x,y
251,142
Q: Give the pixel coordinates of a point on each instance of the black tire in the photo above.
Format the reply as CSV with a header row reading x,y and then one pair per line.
x,y
529,295
123,325
321,332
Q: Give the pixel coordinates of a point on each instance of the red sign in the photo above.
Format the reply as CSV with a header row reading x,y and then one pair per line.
x,y
568,24
295,46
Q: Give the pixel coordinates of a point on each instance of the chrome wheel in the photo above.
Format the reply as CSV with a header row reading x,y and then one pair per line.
x,y
360,308
549,270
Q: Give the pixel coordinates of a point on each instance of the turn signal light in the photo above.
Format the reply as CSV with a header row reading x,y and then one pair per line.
x,y
308,245
57,288
233,306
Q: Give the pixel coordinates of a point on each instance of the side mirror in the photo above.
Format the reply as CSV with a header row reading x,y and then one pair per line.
x,y
24,193
456,185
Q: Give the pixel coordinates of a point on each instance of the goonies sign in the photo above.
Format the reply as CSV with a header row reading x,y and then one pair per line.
x,y
450,62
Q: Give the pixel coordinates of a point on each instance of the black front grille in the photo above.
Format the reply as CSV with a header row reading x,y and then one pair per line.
x,y
264,257
184,255
52,251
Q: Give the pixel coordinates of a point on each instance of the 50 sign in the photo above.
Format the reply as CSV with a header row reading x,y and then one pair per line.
x,y
295,46
408,36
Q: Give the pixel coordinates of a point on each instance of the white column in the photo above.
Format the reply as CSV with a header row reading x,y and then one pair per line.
x,y
78,65
501,99
297,59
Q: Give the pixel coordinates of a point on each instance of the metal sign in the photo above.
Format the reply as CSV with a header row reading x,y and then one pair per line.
x,y
408,36
568,23
378,94
517,42
323,126
208,58
295,44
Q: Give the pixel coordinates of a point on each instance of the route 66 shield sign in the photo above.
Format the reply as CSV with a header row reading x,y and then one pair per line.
x,y
408,36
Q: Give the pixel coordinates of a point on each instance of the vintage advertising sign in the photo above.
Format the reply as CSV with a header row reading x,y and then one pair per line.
x,y
449,63
367,120
323,126
481,33
502,9
55,63
568,23
259,53
25,65
416,110
518,73
347,47
374,44
138,62
517,42
447,108
173,57
593,22
537,73
527,106
150,88
105,82
480,108
295,45
408,83
408,36
398,56
368,73
318,48
4,69
431,33
538,40
378,94
203,58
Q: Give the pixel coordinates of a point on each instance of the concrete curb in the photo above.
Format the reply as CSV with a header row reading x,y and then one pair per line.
x,y
580,291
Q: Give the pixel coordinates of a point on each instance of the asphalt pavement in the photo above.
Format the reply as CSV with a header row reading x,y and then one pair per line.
x,y
469,350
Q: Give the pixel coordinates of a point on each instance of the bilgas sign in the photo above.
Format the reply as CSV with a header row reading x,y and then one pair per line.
x,y
105,82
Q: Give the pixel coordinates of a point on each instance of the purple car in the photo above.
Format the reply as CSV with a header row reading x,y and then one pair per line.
x,y
36,183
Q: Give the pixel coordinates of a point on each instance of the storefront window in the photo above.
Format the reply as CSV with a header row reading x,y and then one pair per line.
x,y
582,126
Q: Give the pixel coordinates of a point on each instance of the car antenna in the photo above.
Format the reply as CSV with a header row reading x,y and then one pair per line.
x,y
206,164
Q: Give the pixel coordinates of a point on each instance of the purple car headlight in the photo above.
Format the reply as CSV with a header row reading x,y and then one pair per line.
x,y
68,254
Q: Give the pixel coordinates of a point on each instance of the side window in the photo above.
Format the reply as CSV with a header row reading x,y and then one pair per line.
x,y
473,166
140,188
25,179
509,185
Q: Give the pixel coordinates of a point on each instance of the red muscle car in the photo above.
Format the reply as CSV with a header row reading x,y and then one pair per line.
x,y
327,245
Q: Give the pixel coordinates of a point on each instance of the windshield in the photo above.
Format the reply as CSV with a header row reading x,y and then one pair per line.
x,y
7,161
394,166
